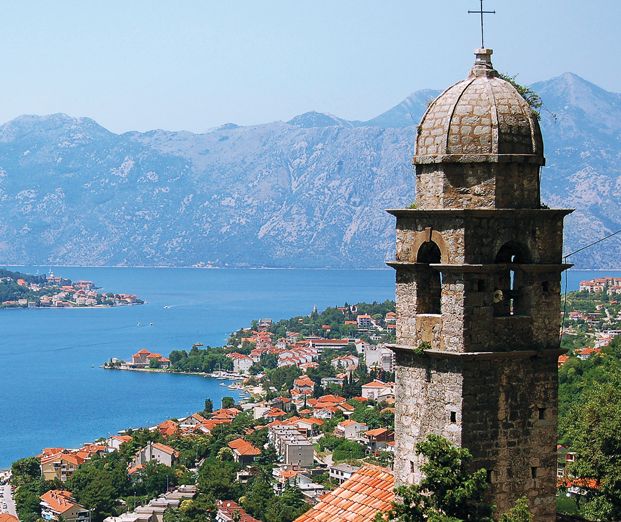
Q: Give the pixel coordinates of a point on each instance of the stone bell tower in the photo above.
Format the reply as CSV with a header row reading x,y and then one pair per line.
x,y
478,271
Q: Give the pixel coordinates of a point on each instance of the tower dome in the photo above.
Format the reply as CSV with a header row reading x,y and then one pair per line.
x,y
480,119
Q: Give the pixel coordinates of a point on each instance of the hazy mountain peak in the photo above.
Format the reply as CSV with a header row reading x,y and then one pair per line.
x,y
406,113
310,192
312,119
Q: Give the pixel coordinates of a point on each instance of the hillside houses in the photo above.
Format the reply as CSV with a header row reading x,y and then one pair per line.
x,y
303,386
60,463
347,363
612,285
57,292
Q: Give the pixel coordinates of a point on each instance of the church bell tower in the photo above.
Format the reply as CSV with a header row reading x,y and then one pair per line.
x,y
478,270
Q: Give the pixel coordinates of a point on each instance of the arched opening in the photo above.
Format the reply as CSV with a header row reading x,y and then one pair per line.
x,y
429,283
509,298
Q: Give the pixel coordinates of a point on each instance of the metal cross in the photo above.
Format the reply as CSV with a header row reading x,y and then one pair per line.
x,y
482,12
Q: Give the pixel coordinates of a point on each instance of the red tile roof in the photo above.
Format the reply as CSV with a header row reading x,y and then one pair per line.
x,y
274,412
376,432
376,384
166,449
358,499
5,517
168,428
243,447
122,438
59,500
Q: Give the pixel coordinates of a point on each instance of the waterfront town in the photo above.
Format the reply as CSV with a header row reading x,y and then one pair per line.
x,y
19,290
314,427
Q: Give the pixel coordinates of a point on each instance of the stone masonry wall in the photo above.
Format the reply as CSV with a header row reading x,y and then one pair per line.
x,y
509,424
477,185
428,391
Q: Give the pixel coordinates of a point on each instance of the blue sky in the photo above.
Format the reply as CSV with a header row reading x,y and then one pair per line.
x,y
195,64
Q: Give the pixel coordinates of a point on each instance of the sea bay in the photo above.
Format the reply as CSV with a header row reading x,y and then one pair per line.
x,y
53,392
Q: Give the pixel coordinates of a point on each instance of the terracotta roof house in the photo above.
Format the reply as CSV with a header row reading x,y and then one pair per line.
x,y
358,499
115,441
5,517
378,438
375,389
225,413
562,359
156,451
274,413
58,502
61,465
168,428
350,429
243,451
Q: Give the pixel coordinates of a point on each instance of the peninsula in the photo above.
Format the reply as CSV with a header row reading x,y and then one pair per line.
x,y
18,290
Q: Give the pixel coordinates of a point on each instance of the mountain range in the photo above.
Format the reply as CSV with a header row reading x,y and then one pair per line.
x,y
310,192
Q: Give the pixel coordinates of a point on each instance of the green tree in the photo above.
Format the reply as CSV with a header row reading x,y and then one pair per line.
x,y
519,513
595,437
287,507
155,478
25,470
97,493
449,492
282,378
208,406
218,480
228,402
225,453
259,495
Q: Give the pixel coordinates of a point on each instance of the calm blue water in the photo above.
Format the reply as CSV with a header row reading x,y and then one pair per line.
x,y
52,391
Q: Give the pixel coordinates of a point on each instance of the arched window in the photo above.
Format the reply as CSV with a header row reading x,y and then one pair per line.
x,y
429,282
509,298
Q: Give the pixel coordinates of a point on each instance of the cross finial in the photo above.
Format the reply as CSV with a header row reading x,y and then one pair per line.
x,y
482,12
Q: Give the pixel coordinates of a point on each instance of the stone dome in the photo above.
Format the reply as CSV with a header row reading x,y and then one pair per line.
x,y
480,119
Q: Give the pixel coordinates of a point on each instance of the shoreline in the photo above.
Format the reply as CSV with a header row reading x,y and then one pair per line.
x,y
96,307
207,375
241,391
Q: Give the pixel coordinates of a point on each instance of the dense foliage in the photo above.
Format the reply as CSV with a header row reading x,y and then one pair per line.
x,y
200,360
448,492
595,436
334,317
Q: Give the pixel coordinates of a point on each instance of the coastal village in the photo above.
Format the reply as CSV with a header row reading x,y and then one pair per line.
x,y
315,426
51,291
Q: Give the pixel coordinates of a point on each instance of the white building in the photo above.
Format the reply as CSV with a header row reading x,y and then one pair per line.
x,y
375,390
342,472
241,362
378,356
350,429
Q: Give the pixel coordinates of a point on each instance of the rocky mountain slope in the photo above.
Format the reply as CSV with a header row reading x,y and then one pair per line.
x,y
307,193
